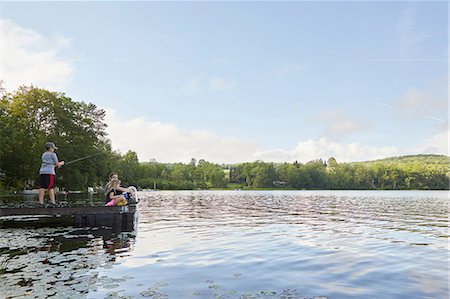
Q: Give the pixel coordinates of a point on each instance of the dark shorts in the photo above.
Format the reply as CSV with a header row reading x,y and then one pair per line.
x,y
47,181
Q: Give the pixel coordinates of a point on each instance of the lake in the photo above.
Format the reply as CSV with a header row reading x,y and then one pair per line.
x,y
243,244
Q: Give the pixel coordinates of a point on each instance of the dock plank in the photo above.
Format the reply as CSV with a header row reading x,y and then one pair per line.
x,y
65,211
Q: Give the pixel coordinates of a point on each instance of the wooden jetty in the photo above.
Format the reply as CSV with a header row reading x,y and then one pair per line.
x,y
118,218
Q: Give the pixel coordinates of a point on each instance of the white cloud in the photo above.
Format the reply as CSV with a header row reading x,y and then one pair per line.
x,y
377,103
436,144
222,84
206,83
410,39
31,58
169,143
193,86
339,124
287,69
324,148
415,103
219,61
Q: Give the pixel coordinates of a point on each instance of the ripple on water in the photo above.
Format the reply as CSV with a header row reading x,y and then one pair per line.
x,y
52,262
244,245
353,245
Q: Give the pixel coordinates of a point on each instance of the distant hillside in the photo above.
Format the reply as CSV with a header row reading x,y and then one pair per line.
x,y
429,159
439,163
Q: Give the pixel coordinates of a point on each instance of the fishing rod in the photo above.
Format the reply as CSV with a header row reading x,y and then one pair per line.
x,y
83,158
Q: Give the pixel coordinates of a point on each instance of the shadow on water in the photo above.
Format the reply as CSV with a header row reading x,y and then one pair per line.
x,y
60,261
44,256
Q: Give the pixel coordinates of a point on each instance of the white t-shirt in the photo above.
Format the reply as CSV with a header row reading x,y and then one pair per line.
x,y
48,163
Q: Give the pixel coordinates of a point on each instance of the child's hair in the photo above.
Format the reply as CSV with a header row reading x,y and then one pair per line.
x,y
114,183
107,188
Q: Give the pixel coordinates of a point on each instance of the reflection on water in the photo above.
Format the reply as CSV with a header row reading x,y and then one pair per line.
x,y
58,262
307,244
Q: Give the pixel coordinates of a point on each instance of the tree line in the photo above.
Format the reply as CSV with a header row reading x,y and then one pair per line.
x,y
413,172
418,172
31,116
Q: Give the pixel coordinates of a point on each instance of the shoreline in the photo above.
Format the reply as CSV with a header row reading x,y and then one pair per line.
x,y
79,193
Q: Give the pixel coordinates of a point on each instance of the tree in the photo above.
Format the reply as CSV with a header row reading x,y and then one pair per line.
x,y
265,175
317,172
129,168
31,116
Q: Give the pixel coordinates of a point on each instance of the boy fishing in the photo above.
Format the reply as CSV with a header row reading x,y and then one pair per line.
x,y
47,173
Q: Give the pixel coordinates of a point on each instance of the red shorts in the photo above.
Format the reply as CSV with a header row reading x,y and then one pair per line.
x,y
47,181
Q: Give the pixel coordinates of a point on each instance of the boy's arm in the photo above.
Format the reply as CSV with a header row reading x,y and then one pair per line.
x,y
57,163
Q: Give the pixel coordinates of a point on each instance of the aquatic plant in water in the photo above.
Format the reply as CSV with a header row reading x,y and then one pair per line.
x,y
48,261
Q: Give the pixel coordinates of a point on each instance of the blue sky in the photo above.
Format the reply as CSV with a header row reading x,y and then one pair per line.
x,y
244,80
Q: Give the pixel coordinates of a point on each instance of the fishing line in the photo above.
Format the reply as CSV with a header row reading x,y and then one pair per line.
x,y
83,158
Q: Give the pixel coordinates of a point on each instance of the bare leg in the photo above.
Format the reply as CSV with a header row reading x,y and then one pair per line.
x,y
41,195
51,195
121,199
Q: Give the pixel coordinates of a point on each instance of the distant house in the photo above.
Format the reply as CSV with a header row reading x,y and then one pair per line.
x,y
279,183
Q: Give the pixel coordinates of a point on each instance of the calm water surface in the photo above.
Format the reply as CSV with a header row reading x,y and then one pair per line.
x,y
239,244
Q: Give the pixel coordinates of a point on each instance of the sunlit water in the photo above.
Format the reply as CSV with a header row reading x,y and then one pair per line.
x,y
239,244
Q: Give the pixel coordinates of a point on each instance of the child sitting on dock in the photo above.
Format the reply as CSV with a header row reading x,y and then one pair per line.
x,y
113,176
113,195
